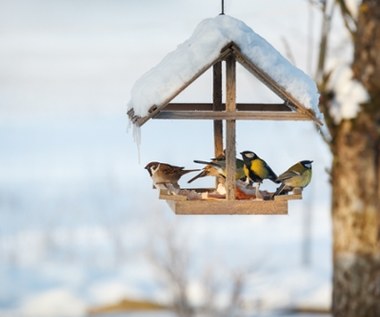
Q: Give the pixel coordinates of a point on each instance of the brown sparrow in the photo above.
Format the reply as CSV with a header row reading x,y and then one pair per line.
x,y
166,176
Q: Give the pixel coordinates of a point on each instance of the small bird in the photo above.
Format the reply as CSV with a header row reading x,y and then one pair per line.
x,y
256,170
211,169
296,176
217,167
166,176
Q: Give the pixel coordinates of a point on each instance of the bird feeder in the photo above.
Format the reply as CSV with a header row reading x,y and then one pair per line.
x,y
253,53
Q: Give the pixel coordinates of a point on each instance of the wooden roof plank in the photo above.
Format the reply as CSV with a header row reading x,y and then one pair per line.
x,y
231,48
237,115
188,106
271,84
157,108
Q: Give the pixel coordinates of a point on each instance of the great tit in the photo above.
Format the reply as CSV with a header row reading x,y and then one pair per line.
x,y
166,176
256,169
296,176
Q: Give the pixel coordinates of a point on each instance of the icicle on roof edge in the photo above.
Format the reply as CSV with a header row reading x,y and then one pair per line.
x,y
202,48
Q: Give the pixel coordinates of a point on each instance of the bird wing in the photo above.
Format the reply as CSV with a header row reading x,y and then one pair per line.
x,y
271,175
170,169
217,168
262,169
288,174
218,164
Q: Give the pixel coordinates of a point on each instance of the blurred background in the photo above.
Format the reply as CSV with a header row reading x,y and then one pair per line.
x,y
81,227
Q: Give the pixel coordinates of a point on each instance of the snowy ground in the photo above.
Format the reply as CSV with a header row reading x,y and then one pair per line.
x,y
76,225
77,212
165,314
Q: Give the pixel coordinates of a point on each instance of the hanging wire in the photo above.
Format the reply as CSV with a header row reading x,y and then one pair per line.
x,y
222,13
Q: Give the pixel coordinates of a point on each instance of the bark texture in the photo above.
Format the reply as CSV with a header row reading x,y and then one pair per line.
x,y
355,180
356,219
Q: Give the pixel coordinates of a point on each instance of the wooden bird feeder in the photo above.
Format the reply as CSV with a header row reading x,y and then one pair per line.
x,y
230,111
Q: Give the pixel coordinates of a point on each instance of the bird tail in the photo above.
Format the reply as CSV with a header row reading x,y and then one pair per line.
x,y
189,171
207,163
273,177
282,190
201,174
279,190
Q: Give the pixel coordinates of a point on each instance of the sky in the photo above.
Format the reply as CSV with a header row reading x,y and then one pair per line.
x,y
64,62
70,172
57,48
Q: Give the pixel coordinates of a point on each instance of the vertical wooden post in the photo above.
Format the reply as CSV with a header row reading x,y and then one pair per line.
x,y
217,106
230,128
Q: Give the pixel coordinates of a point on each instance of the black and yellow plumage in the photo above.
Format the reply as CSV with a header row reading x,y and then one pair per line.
x,y
256,169
296,176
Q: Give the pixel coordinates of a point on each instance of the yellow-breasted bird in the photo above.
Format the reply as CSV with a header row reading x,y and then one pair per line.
x,y
296,176
256,169
166,176
217,167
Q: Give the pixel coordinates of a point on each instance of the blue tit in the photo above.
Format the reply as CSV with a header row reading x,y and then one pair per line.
x,y
296,176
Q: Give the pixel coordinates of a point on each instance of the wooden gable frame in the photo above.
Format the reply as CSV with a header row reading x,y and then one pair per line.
x,y
230,111
290,109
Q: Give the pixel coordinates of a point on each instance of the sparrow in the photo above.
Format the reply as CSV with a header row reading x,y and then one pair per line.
x,y
296,176
217,167
166,176
256,170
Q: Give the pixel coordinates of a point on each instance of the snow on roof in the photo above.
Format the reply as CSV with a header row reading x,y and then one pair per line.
x,y
202,49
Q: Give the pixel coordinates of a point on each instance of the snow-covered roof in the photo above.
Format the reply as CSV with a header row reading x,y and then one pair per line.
x,y
162,83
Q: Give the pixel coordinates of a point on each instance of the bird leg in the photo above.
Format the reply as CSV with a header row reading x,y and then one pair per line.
x,y
169,187
247,181
258,194
297,190
172,189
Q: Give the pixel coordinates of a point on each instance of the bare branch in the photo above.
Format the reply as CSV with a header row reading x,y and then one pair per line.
x,y
349,21
171,257
322,75
238,283
327,14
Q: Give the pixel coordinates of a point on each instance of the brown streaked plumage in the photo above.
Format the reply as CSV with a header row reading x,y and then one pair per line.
x,y
166,176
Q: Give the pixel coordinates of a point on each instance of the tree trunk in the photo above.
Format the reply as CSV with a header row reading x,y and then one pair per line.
x,y
356,188
356,219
